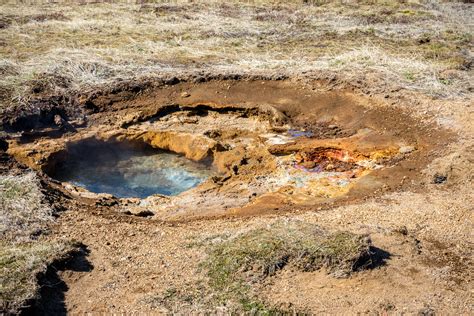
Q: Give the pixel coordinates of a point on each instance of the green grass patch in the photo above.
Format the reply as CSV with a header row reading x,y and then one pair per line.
x,y
236,264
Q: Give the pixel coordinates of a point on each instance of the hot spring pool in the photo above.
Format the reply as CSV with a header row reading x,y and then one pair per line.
x,y
127,170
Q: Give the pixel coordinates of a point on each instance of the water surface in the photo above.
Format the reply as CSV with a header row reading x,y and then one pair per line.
x,y
125,170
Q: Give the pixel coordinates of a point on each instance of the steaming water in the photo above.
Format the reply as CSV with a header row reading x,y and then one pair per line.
x,y
125,171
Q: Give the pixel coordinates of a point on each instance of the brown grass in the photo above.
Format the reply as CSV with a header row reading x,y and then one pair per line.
x,y
68,47
19,266
23,213
24,253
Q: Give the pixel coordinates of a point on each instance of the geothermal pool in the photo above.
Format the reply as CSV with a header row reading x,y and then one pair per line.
x,y
128,170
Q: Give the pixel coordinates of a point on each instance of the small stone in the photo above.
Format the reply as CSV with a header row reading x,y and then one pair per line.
x,y
406,149
80,122
185,94
439,179
58,120
130,201
403,230
329,167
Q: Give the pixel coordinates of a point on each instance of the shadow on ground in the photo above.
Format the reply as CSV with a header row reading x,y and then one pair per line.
x,y
375,258
51,299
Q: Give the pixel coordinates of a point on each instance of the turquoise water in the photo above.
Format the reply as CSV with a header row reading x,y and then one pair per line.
x,y
124,170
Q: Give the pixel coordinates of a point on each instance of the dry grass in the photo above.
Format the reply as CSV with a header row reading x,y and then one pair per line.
x,y
246,259
23,253
23,213
58,48
19,266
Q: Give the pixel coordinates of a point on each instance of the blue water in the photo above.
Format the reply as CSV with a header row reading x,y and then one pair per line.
x,y
298,133
126,171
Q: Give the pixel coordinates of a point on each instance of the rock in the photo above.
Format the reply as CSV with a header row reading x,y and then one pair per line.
x,y
406,149
129,119
185,94
137,211
79,122
58,120
402,230
439,179
130,201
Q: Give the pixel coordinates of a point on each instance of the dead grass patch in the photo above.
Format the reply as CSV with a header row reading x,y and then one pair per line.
x,y
98,44
24,217
19,266
23,212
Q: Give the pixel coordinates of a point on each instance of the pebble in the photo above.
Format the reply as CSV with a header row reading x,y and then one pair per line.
x,y
406,149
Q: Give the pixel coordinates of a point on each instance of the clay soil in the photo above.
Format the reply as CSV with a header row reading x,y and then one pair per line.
x,y
415,205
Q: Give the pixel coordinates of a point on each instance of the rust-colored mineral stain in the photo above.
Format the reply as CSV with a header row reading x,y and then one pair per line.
x,y
325,159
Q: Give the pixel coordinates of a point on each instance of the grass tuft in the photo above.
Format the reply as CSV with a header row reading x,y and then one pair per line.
x,y
23,213
237,263
19,266
24,217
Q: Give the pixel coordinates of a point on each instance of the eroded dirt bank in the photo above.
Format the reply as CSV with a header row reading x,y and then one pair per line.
x,y
282,151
